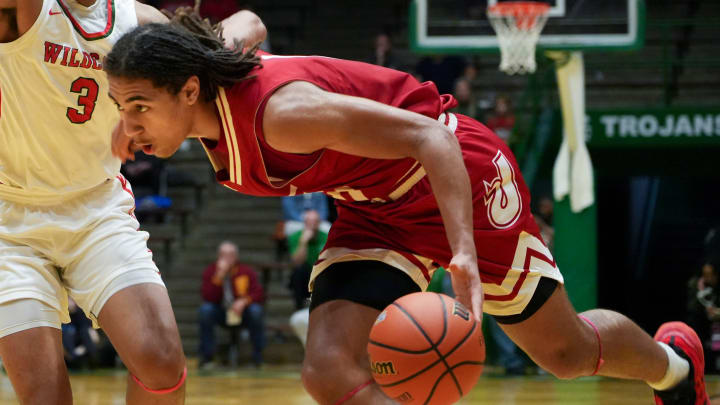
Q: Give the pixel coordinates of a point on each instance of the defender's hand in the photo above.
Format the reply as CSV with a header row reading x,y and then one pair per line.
x,y
466,283
122,145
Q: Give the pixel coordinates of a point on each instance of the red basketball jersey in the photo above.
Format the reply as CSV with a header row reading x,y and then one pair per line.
x,y
253,167
386,208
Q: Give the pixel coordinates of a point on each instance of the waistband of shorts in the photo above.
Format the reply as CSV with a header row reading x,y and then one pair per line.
x,y
23,196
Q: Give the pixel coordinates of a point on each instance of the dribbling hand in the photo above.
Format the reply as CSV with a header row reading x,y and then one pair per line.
x,y
466,283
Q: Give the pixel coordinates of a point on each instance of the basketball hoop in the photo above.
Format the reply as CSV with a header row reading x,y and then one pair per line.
x,y
518,25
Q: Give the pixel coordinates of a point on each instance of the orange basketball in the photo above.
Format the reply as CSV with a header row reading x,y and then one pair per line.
x,y
426,348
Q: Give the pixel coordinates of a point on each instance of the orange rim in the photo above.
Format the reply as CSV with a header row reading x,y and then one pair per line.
x,y
525,13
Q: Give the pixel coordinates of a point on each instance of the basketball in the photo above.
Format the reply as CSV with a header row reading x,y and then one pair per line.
x,y
426,348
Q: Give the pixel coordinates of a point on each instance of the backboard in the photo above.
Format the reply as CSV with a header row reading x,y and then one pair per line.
x,y
462,26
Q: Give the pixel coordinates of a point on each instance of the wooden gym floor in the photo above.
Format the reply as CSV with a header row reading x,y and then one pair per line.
x,y
281,385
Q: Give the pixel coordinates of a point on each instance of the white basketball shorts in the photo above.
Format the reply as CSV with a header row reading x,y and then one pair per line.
x,y
88,247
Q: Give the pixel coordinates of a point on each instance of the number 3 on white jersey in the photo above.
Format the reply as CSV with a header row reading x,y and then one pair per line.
x,y
502,195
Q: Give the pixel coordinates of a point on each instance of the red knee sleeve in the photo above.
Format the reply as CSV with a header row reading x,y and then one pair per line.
x,y
162,391
354,391
600,360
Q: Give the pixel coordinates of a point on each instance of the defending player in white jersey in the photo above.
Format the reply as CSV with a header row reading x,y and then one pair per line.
x,y
66,214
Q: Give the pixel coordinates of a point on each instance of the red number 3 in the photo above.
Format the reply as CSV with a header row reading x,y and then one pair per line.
x,y
88,93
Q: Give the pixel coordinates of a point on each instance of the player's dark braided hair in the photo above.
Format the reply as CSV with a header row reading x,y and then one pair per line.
x,y
169,54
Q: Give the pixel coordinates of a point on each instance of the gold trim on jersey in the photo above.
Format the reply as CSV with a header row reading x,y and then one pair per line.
x,y
407,184
213,160
235,169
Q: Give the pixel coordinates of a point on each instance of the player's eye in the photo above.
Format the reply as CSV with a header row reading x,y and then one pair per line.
x,y
141,108
118,107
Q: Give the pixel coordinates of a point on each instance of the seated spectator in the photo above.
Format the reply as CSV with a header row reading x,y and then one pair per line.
x,y
501,119
305,246
295,207
704,310
232,296
79,338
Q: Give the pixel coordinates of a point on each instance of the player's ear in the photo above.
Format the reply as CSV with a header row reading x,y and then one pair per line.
x,y
191,90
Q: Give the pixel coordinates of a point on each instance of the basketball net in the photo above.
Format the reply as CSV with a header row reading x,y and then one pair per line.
x,y
518,25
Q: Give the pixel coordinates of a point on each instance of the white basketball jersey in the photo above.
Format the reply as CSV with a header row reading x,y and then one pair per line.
x,y
56,118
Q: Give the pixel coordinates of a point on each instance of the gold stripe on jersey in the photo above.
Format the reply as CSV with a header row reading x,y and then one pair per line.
x,y
230,139
213,161
407,184
355,195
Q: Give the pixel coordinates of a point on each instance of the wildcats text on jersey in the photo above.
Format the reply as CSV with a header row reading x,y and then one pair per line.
x,y
71,57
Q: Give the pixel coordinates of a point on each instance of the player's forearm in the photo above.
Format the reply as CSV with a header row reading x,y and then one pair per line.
x,y
442,159
243,26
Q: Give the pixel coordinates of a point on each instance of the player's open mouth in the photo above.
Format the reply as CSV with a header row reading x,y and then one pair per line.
x,y
147,148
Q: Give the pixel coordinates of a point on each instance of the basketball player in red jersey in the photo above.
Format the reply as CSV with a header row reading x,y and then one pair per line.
x,y
66,214
416,188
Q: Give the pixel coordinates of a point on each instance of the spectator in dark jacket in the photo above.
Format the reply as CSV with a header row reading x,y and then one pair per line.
x,y
232,296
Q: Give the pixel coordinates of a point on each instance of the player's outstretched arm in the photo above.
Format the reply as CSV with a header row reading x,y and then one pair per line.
x,y
302,118
243,26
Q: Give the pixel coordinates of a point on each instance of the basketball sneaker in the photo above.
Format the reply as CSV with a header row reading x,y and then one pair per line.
x,y
687,345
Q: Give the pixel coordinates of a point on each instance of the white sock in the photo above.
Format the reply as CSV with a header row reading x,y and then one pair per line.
x,y
678,369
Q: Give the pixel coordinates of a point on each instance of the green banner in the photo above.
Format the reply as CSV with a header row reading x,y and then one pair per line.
x,y
653,127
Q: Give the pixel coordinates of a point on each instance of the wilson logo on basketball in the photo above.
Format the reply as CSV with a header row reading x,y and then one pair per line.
x,y
461,311
383,367
405,397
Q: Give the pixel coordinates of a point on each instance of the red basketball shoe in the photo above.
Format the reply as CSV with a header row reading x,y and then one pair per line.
x,y
687,345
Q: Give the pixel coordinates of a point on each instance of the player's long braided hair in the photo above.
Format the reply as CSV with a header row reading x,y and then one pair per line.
x,y
169,54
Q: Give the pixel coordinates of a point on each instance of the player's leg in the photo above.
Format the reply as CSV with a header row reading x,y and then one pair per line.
x,y
346,299
112,277
31,349
595,342
569,347
140,323
336,367
33,303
